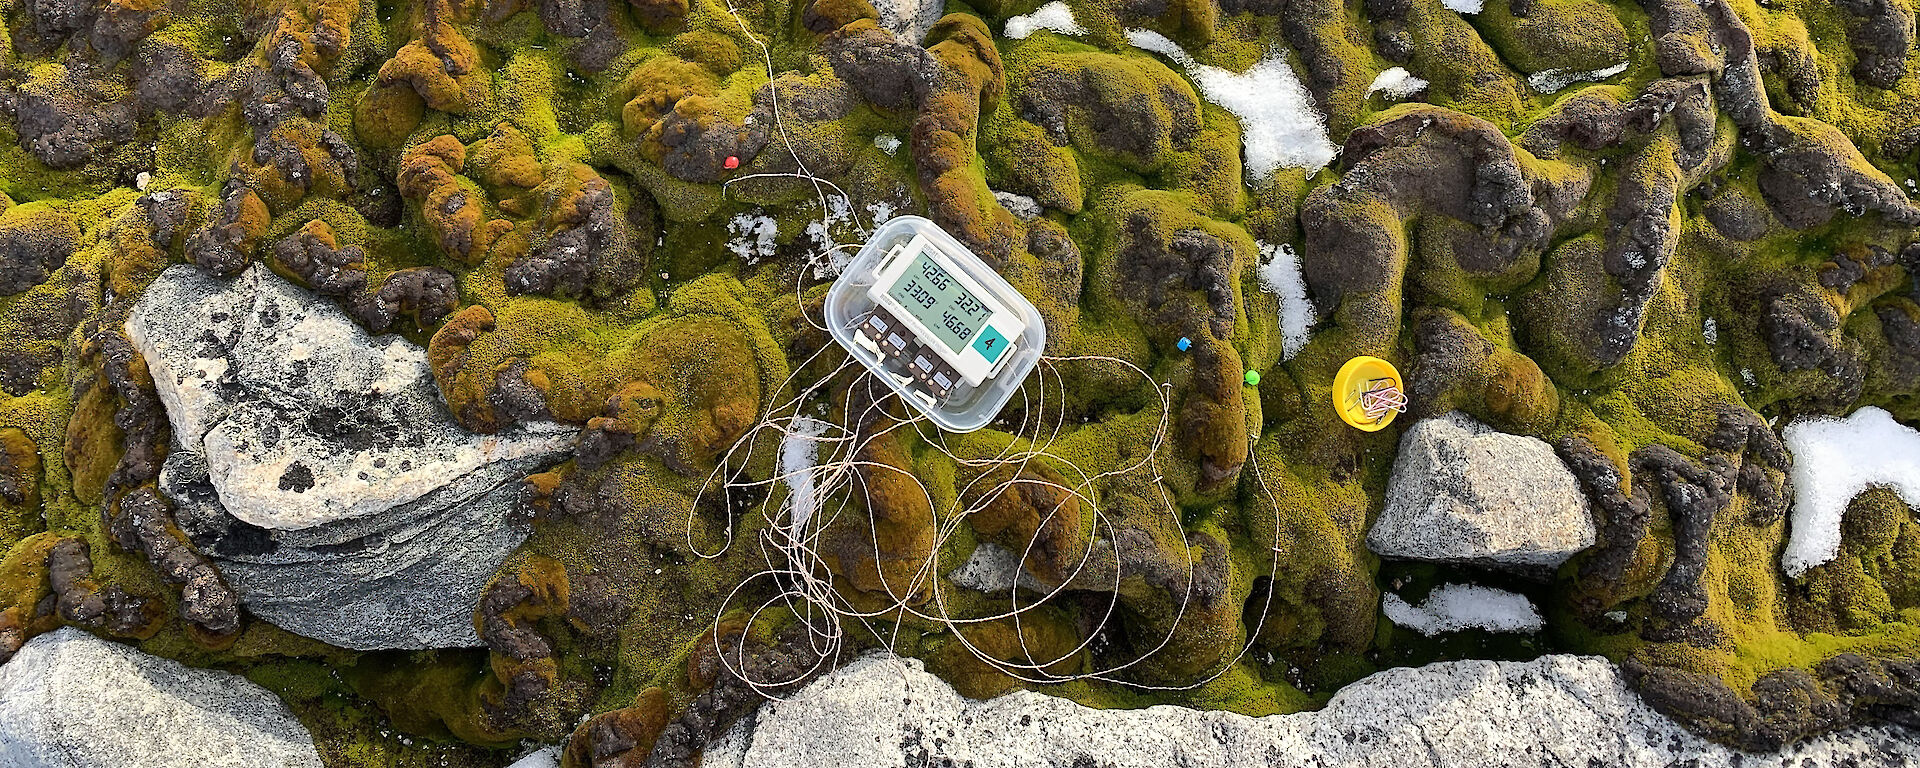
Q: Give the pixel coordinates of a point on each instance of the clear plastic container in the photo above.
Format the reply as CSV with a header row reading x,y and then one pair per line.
x,y
989,311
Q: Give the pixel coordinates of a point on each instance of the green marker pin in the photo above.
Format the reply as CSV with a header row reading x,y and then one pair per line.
x,y
1253,378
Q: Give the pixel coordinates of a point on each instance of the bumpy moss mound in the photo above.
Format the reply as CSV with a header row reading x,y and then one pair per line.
x,y
622,216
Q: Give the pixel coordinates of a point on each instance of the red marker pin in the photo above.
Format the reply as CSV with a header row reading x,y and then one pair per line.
x,y
732,162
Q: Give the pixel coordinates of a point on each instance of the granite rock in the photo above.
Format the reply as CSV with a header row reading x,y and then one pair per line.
x,y
72,700
886,712
318,468
1462,492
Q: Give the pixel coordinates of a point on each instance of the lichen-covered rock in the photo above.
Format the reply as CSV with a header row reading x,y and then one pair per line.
x,y
318,466
1556,710
71,700
910,20
1462,492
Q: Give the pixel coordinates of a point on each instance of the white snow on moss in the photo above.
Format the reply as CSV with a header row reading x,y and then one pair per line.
x,y
1396,83
1553,80
799,456
1280,126
545,757
1833,461
1280,275
887,143
1464,6
752,236
1454,607
1055,16
833,218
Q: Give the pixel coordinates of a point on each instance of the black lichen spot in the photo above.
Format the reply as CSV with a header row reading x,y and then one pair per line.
x,y
297,478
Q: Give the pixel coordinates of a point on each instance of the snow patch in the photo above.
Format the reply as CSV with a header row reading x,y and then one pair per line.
x,y
752,236
835,220
1464,6
545,757
799,455
1454,607
1396,84
1553,80
1835,460
1280,126
1710,330
1280,275
887,143
1055,16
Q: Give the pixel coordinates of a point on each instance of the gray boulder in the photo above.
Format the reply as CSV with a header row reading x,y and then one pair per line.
x,y
886,712
1462,492
318,468
72,700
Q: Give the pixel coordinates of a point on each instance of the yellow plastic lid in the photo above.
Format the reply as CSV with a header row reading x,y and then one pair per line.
x,y
1354,379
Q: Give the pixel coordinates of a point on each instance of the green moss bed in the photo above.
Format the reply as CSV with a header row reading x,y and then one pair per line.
x,y
1652,270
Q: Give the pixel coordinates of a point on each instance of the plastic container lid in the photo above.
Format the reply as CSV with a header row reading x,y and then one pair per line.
x,y
968,407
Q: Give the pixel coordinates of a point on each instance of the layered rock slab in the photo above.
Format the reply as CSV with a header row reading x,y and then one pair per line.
x,y
71,700
886,712
1463,493
318,468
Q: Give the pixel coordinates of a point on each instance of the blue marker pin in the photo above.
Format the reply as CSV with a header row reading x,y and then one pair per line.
x,y
1183,343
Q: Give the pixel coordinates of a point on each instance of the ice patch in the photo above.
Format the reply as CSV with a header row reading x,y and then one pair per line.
x,y
1835,460
1454,607
799,453
1464,6
1280,275
1396,84
880,210
1553,80
887,143
1280,127
1710,330
752,236
1055,16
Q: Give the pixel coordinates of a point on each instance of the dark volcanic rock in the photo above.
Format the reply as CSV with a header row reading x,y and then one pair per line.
x,y
32,246
886,72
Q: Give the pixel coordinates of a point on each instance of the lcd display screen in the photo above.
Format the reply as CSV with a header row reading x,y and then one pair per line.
x,y
939,302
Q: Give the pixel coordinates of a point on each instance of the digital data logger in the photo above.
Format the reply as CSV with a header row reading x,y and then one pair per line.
x,y
935,323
